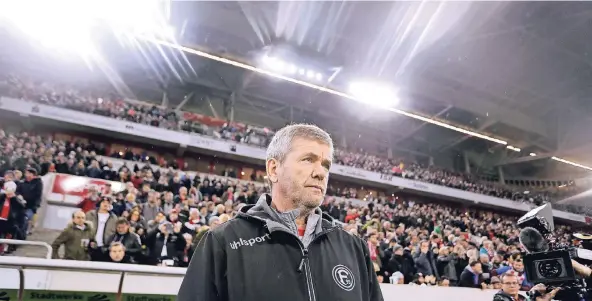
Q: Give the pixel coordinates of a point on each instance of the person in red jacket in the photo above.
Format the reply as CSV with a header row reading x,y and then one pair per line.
x,y
90,201
351,215
11,212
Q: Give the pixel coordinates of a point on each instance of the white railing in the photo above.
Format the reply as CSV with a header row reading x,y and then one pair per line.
x,y
128,279
29,243
77,271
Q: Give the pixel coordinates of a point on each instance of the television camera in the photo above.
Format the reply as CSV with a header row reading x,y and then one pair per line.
x,y
548,259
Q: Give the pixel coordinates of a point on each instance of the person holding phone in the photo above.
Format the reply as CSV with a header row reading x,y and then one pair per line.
x,y
165,243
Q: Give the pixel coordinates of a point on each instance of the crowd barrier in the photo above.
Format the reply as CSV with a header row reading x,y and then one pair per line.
x,y
47,279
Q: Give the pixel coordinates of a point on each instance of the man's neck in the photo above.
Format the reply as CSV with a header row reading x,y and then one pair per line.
x,y
282,204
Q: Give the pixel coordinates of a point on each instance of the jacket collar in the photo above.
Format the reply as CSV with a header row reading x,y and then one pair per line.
x,y
263,212
508,297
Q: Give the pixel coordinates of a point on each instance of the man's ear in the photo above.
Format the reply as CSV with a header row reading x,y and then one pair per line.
x,y
271,167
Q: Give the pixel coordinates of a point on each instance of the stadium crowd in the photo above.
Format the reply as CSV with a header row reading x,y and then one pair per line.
x,y
160,215
111,105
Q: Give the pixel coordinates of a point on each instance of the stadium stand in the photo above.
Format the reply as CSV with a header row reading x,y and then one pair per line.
x,y
130,202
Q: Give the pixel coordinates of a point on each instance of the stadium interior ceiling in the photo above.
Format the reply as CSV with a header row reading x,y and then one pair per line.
x,y
504,69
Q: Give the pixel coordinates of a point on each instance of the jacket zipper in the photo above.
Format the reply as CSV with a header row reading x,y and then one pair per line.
x,y
305,264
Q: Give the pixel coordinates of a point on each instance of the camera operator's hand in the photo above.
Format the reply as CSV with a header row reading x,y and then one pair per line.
x,y
581,269
541,289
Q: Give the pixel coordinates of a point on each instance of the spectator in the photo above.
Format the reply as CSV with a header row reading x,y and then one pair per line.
x,y
118,253
30,190
90,202
516,264
444,282
510,288
185,258
375,252
76,239
472,276
130,241
403,263
136,219
424,260
446,265
104,226
495,283
11,213
151,208
166,243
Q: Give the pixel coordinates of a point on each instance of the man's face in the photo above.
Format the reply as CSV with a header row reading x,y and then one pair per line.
x,y
425,246
214,224
122,228
302,177
478,268
445,282
116,253
510,285
518,266
79,218
105,205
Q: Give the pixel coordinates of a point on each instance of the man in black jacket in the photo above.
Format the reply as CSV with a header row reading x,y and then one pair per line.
x,y
130,241
284,248
402,261
30,190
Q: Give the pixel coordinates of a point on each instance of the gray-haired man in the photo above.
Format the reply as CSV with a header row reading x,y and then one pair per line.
x,y
284,248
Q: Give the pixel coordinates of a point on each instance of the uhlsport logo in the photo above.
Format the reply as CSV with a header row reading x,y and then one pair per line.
x,y
344,277
248,242
4,296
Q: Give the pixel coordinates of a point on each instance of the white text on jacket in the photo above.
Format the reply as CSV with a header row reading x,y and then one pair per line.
x,y
248,242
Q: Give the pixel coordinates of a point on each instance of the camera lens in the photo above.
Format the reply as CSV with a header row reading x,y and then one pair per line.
x,y
550,268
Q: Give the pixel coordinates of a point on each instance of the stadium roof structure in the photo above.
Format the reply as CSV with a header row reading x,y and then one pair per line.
x,y
517,71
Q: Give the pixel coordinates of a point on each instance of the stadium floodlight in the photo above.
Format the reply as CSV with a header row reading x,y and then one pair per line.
x,y
274,63
292,69
513,148
135,17
287,67
532,154
68,25
58,25
375,94
571,163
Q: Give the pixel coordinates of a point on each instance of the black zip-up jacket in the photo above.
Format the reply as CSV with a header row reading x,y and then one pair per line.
x,y
251,258
31,192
